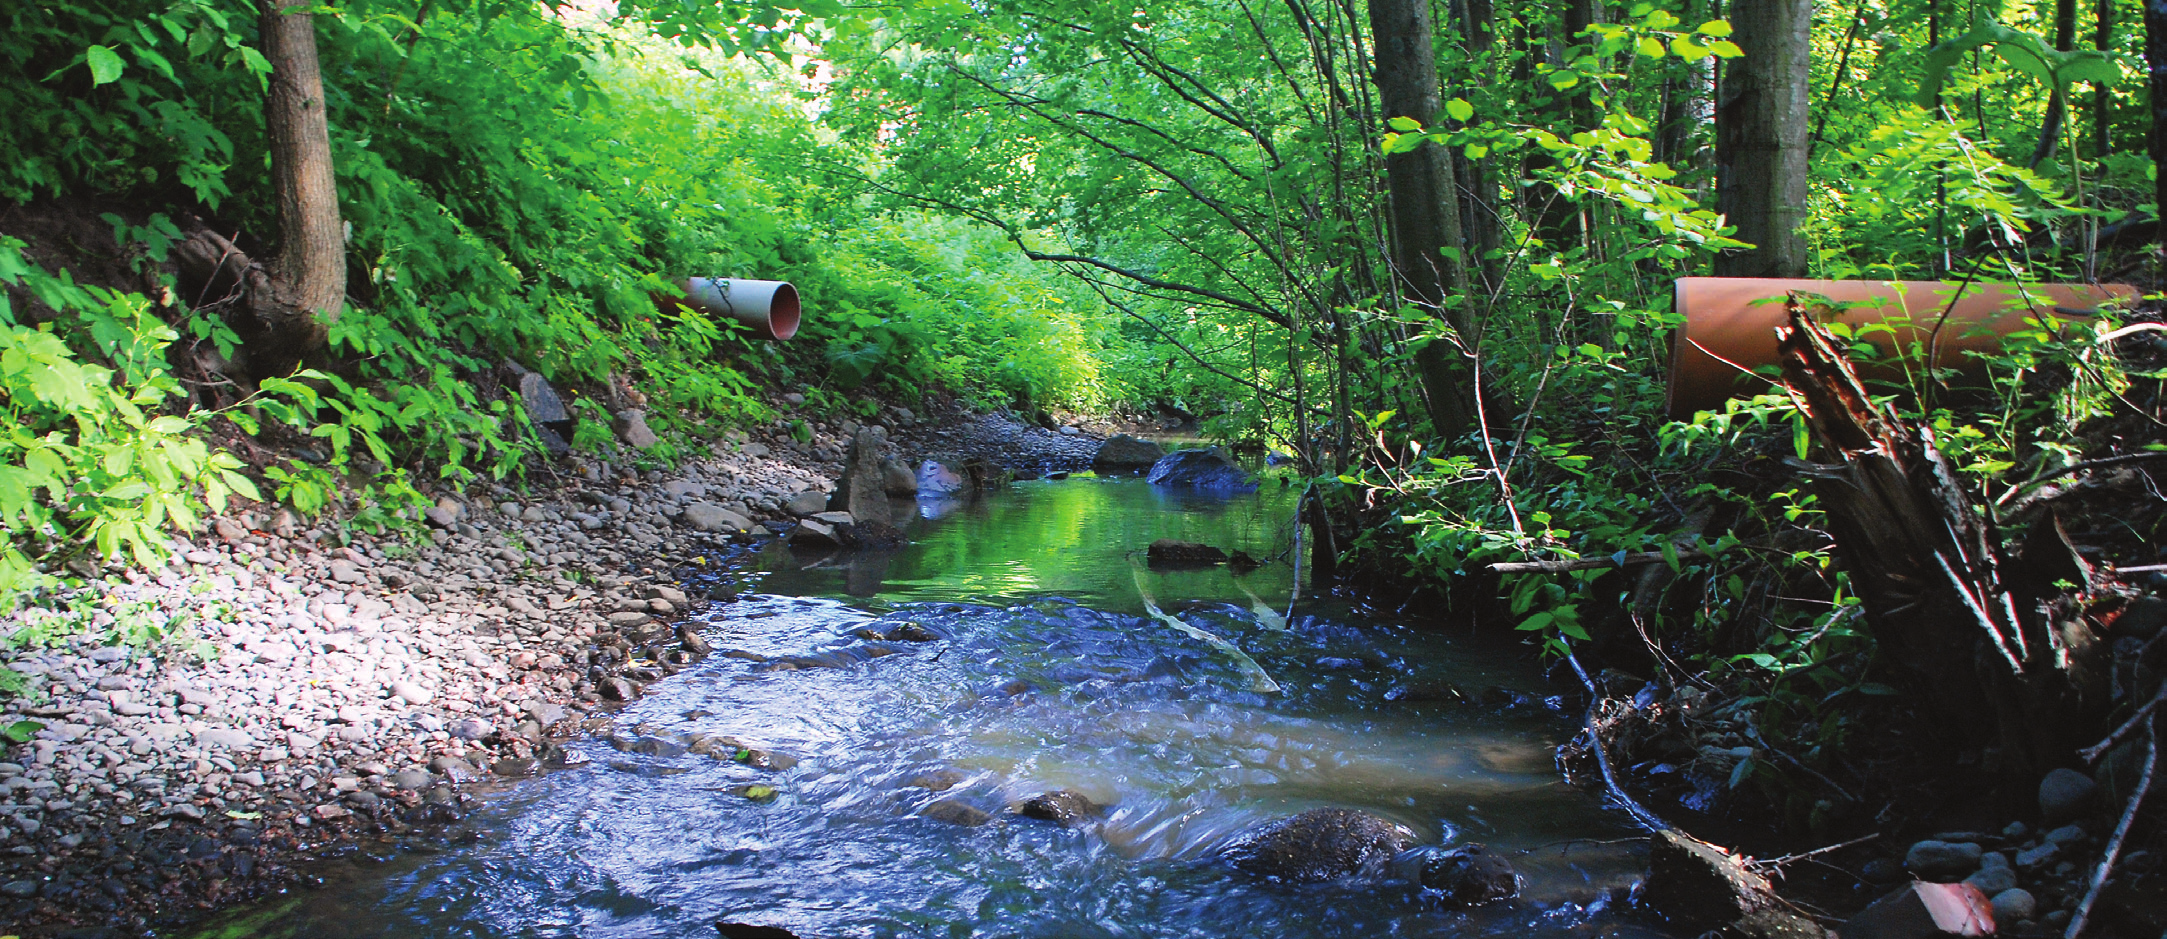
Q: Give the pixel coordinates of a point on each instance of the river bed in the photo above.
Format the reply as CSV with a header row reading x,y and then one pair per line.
x,y
1025,656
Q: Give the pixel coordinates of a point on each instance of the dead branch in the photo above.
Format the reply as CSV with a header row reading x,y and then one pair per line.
x,y
2114,845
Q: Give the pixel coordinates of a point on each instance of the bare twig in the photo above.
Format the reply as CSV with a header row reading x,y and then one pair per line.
x,y
2092,753
1776,863
2114,845
1602,759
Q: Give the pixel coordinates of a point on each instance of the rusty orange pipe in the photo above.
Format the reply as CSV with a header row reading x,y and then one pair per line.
x,y
1729,329
770,307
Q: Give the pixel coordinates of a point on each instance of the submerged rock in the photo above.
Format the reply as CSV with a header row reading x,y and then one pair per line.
x,y
1466,875
1208,470
1319,845
956,812
1065,807
1166,552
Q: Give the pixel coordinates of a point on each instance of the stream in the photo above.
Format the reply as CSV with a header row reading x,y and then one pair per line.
x,y
1029,660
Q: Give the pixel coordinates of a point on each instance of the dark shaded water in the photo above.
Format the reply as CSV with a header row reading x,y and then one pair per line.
x,y
1046,674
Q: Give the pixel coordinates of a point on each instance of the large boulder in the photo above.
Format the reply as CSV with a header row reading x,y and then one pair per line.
x,y
1122,453
863,490
1466,875
1208,470
1319,845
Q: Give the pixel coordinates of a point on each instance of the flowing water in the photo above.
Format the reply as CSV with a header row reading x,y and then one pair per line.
x,y
1047,657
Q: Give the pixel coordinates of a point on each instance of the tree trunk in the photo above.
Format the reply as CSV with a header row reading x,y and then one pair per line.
x,y
2050,129
1427,243
309,277
1484,225
1974,628
1762,138
2102,96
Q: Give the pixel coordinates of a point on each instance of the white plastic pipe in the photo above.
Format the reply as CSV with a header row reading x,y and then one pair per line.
x,y
770,307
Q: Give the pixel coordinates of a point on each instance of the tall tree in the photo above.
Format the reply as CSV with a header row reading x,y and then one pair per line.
x,y
1426,233
309,277
1762,136
283,313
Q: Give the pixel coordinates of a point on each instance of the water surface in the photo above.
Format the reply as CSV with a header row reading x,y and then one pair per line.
x,y
1044,671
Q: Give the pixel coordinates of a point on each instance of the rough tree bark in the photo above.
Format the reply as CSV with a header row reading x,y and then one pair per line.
x,y
1976,625
1762,133
283,311
1426,235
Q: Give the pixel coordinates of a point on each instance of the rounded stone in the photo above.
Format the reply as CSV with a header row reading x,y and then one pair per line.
x,y
2064,795
2014,904
1931,859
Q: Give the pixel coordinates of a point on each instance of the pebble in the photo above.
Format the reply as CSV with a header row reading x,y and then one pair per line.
x,y
1993,880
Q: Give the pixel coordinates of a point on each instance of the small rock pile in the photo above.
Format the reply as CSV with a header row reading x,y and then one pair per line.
x,y
2030,874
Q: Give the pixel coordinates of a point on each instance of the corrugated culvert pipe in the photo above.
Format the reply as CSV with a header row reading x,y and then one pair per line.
x,y
770,307
1730,324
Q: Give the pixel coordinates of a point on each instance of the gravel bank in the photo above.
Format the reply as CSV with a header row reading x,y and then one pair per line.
x,y
287,697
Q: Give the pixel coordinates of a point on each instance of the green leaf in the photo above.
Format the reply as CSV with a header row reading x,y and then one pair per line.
x,y
1725,49
1652,47
1716,28
1538,621
21,731
1405,125
105,65
1459,110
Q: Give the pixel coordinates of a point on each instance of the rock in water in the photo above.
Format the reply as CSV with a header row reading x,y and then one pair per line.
x,y
956,812
1122,453
939,479
1319,845
863,490
1467,875
1064,807
1167,552
2064,795
1700,888
1209,470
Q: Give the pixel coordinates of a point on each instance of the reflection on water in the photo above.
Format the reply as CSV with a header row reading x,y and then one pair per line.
x,y
1034,670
